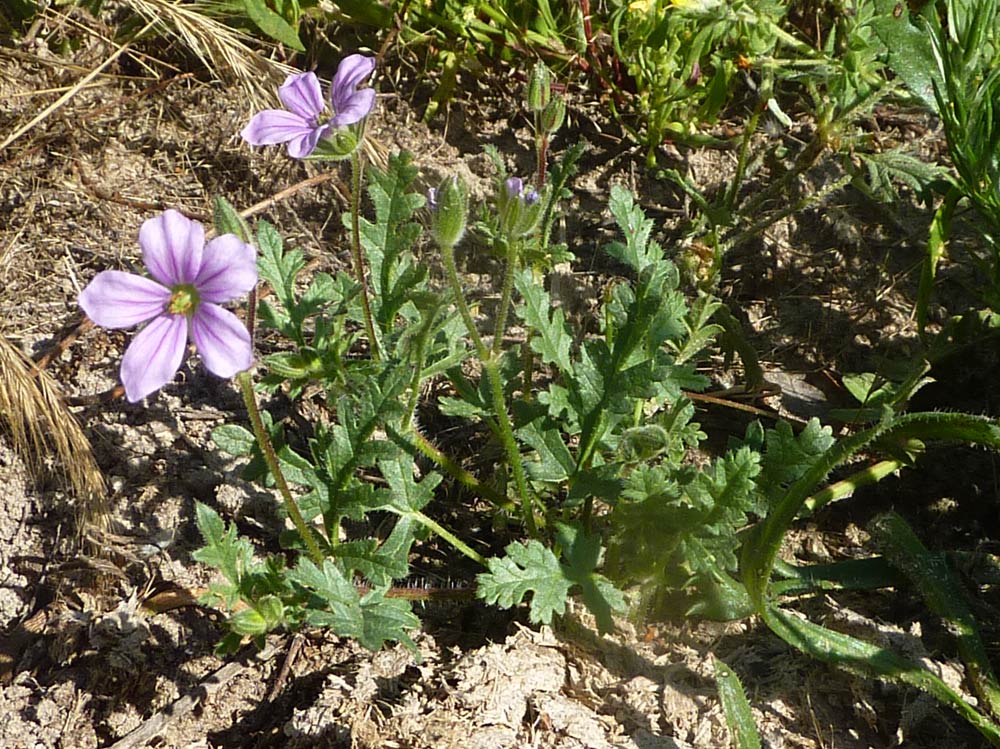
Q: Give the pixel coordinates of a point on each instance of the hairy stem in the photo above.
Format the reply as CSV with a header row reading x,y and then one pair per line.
x,y
506,293
510,445
453,469
271,458
439,530
448,254
359,263
492,372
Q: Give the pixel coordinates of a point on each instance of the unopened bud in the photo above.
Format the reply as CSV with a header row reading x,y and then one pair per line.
x,y
539,87
449,206
340,144
553,115
518,209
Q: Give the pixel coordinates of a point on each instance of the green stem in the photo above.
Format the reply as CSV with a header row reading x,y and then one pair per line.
x,y
510,445
506,293
541,153
448,465
271,458
359,263
846,487
448,254
434,527
492,372
418,369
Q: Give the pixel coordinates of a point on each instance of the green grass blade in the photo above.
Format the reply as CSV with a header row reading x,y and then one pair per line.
x,y
937,244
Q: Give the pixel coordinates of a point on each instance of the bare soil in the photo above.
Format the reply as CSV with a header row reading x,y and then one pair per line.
x,y
86,662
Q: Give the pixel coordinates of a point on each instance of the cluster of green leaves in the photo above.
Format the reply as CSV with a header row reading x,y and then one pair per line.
x,y
371,403
599,411
952,64
684,57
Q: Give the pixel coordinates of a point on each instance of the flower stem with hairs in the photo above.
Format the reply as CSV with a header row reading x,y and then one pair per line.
x,y
271,458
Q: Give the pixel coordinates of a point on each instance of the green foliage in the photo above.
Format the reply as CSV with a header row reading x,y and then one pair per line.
x,y
952,64
865,659
739,719
276,598
527,568
676,528
274,25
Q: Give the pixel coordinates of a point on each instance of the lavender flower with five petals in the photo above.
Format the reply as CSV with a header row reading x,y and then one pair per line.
x,y
307,120
191,280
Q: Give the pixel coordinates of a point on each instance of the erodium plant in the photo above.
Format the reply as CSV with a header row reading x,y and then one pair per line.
x,y
578,434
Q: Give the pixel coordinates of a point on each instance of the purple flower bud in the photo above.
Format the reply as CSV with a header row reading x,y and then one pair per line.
x,y
518,207
514,187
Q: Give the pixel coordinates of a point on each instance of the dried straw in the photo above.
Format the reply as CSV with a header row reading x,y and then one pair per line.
x,y
221,48
33,412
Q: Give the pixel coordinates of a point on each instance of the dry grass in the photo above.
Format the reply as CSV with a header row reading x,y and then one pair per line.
x,y
33,412
222,49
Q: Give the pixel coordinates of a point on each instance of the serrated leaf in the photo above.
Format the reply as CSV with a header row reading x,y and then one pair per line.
x,y
911,52
231,555
555,463
550,334
527,568
582,553
408,495
395,275
234,439
248,623
637,252
336,603
788,457
277,267
387,619
367,558
460,408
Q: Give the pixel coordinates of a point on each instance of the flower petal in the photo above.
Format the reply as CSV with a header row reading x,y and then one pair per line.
x,y
355,108
228,269
352,70
172,245
303,145
154,356
115,299
275,126
222,340
301,94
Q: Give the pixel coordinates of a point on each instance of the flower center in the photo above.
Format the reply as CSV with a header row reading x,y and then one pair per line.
x,y
183,299
324,117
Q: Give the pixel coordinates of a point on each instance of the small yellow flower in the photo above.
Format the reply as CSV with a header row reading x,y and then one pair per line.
x,y
640,6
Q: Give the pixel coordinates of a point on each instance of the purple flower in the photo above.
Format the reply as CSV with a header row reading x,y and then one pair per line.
x,y
191,280
308,119
514,187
